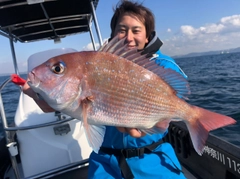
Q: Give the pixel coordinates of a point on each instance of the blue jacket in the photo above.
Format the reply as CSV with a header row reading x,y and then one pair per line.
x,y
150,165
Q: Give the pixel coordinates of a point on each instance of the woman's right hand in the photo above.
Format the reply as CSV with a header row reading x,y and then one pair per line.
x,y
40,102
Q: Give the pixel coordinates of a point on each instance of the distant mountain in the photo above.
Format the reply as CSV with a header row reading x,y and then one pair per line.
x,y
233,50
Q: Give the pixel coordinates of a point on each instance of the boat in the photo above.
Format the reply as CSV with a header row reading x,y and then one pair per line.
x,y
53,145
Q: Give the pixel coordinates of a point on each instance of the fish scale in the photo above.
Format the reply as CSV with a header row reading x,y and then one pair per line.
x,y
139,113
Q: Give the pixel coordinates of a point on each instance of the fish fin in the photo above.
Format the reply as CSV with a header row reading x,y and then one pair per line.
x,y
118,48
203,123
179,84
175,80
153,130
160,127
102,48
113,46
94,134
106,46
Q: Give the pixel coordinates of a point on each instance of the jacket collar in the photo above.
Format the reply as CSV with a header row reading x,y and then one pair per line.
x,y
153,46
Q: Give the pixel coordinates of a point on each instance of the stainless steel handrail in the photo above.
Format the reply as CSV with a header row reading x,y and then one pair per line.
x,y
2,111
38,125
9,138
61,170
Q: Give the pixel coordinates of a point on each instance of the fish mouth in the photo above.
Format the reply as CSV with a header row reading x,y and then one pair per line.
x,y
34,84
34,81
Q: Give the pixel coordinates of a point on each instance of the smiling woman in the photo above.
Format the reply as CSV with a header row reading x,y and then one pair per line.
x,y
142,36
133,25
134,31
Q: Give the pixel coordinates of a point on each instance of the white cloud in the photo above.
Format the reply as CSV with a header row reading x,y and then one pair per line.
x,y
234,20
188,30
89,47
169,30
213,36
210,28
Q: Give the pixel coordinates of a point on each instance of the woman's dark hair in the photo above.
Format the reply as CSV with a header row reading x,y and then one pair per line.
x,y
136,9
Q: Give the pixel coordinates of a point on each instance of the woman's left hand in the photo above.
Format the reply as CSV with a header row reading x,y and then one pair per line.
x,y
41,103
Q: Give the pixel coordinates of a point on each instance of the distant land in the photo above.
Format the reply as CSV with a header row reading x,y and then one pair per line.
x,y
233,50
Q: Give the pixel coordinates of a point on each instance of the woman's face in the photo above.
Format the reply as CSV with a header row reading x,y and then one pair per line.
x,y
131,27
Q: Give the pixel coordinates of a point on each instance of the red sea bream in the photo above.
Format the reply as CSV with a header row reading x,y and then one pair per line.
x,y
114,87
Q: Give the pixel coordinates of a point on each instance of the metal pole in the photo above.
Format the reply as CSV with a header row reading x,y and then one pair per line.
x,y
96,24
2,111
14,56
8,135
15,167
91,34
3,34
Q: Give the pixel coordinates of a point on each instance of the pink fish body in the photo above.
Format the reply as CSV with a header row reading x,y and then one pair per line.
x,y
105,89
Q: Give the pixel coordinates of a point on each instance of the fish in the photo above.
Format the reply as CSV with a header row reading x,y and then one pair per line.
x,y
118,87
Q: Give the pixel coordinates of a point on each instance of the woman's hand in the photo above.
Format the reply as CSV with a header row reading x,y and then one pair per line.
x,y
162,127
41,103
131,131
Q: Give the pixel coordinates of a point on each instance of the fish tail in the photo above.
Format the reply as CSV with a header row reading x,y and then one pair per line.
x,y
203,122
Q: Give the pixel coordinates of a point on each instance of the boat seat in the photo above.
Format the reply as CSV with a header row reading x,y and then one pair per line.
x,y
43,149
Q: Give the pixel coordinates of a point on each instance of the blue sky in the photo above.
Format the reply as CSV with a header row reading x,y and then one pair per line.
x,y
183,26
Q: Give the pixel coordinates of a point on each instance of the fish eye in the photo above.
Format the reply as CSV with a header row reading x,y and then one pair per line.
x,y
58,68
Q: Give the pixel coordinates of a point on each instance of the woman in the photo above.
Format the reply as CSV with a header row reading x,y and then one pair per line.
x,y
126,152
136,23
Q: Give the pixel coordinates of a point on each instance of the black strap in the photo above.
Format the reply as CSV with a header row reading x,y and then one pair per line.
x,y
126,171
133,152
153,48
